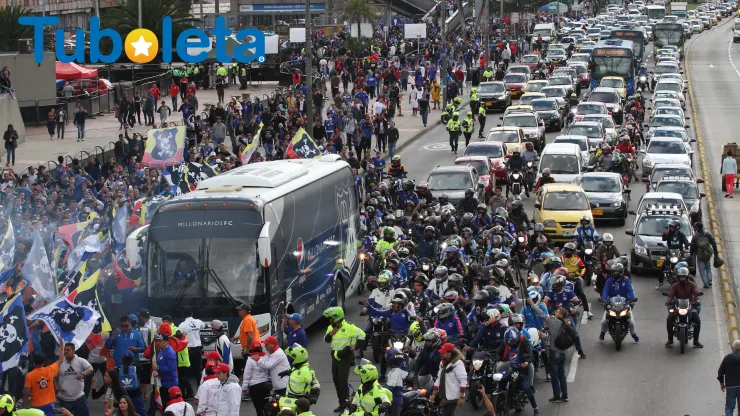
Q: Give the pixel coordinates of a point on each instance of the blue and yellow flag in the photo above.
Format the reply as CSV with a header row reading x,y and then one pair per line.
x,y
251,147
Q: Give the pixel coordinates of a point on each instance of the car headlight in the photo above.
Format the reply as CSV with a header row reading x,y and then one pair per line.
x,y
640,250
650,163
549,223
617,204
477,364
616,110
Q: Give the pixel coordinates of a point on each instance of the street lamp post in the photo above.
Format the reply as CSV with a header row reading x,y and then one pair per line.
x,y
443,51
309,70
140,24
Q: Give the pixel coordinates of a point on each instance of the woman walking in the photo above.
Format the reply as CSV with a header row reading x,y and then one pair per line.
x,y
51,123
729,170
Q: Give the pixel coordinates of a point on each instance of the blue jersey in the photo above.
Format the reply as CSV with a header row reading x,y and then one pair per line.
x,y
411,196
585,234
619,287
531,319
400,321
562,299
489,337
452,326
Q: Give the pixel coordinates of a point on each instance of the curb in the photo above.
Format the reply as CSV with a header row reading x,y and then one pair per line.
x,y
728,293
425,130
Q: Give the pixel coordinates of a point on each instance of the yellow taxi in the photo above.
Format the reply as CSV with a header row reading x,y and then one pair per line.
x,y
617,83
560,207
519,109
534,85
528,97
512,137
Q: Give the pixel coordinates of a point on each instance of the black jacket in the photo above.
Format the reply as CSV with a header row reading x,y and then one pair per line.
x,y
729,371
525,351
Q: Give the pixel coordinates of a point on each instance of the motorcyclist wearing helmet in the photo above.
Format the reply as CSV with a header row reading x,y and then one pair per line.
x,y
408,194
515,163
453,298
541,248
453,261
423,192
618,285
538,230
414,344
373,221
438,284
302,379
8,408
604,252
625,146
454,128
576,270
492,332
519,217
502,218
342,350
561,297
517,350
482,219
427,362
445,204
371,398
531,319
399,316
500,73
552,265
381,295
674,239
448,320
396,170
370,178
573,100
447,225
469,203
684,289
529,154
419,298
585,232
545,179
468,127
455,282
395,359
478,315
427,247
388,242
643,72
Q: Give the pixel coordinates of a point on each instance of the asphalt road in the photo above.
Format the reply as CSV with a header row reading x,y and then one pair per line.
x,y
645,378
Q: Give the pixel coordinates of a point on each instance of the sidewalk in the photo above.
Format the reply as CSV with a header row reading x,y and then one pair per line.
x,y
103,129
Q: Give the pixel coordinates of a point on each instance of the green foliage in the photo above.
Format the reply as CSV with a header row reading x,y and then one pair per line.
x,y
125,17
355,11
10,30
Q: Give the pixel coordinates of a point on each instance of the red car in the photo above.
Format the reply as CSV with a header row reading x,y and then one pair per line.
x,y
514,83
496,154
584,78
485,169
531,61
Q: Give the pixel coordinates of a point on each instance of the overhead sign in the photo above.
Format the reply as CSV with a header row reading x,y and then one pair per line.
x,y
271,44
277,7
611,52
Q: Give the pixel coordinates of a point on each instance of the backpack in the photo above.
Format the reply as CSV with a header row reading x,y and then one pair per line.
x,y
704,249
566,338
129,381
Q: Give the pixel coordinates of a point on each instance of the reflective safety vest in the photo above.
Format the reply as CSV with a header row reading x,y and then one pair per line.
x,y
482,111
221,71
243,72
367,401
488,74
196,70
453,126
346,336
300,381
469,125
474,96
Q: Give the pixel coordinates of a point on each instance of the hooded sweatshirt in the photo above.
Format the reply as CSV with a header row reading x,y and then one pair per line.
x,y
456,378
229,397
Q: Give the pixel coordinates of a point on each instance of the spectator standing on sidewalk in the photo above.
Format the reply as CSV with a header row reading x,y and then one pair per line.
x,y
154,92
728,375
729,171
11,143
79,121
51,123
137,107
150,104
393,136
424,107
61,121
703,246
174,92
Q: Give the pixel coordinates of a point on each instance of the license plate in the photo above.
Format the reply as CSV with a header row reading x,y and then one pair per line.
x,y
489,104
659,262
597,211
568,233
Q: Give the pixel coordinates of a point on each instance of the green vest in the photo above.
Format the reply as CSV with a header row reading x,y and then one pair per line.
x,y
299,382
346,336
243,72
482,111
469,125
453,126
366,402
196,71
488,74
221,71
474,96
183,358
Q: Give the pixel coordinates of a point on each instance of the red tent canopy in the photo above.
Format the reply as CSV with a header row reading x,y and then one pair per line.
x,y
74,71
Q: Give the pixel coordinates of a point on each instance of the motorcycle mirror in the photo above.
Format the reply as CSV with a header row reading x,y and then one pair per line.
x,y
664,293
537,205
500,118
627,191
630,232
693,140
686,126
646,125
687,117
498,125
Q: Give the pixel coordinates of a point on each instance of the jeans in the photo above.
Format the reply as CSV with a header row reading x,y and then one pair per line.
x,y
392,148
694,318
557,371
268,148
60,130
217,141
732,397
174,102
525,382
77,407
424,115
705,271
80,131
10,155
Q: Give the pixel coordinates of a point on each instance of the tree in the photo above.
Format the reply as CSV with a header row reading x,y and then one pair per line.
x,y
125,17
10,30
355,11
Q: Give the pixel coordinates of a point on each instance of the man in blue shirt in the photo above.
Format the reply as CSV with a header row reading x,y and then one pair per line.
x,y
364,98
294,331
618,285
126,339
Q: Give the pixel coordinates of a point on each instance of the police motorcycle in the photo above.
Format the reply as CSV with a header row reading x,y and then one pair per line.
x,y
618,313
415,403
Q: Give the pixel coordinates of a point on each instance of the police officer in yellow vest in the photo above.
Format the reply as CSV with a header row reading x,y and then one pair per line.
x,y
221,71
453,126
343,337
196,75
243,77
302,380
474,101
488,74
481,120
468,126
371,397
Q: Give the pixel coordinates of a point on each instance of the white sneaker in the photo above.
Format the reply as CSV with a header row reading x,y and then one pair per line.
x,y
589,314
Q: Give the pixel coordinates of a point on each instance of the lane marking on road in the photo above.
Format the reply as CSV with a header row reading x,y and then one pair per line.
x,y
584,318
436,146
573,367
729,56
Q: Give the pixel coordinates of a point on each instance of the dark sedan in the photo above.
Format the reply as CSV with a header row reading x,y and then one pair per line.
x,y
607,195
550,112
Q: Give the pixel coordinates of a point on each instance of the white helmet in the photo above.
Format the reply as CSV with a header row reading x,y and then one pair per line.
x,y
494,314
608,238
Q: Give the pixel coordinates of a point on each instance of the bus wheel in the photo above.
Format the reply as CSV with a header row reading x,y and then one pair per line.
x,y
339,292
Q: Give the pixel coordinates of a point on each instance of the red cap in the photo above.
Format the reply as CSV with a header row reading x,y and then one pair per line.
x,y
270,340
446,348
213,355
211,365
174,392
223,368
256,346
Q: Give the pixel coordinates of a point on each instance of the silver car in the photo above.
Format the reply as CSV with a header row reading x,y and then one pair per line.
x,y
664,150
532,126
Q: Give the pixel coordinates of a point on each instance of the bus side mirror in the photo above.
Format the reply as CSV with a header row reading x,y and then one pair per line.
x,y
264,246
132,246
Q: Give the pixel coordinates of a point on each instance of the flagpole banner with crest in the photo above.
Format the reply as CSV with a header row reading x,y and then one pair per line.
x,y
86,294
251,147
303,147
164,147
66,321
14,334
37,271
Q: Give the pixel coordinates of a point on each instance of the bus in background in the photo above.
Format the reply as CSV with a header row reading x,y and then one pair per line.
x,y
279,236
638,41
669,34
613,57
655,14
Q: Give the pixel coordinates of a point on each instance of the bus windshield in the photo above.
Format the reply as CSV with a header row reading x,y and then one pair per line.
x,y
637,38
621,66
669,36
656,12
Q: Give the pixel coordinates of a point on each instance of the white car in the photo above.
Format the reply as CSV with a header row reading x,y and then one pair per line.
x,y
679,133
581,141
666,102
663,120
665,93
532,126
668,110
607,121
664,150
589,107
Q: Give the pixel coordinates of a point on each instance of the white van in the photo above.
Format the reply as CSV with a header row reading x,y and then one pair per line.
x,y
564,161
546,30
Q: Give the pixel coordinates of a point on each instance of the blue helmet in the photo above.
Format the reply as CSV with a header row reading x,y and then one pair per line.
x,y
511,336
537,289
681,264
394,357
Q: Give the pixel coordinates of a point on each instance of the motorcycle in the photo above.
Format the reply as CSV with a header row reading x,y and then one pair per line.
x,y
508,397
683,328
482,364
618,312
521,248
379,339
516,183
416,404
590,261
642,82
673,256
529,174
427,266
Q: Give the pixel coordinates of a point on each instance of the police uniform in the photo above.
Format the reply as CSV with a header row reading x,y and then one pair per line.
x,y
468,129
453,126
481,119
343,357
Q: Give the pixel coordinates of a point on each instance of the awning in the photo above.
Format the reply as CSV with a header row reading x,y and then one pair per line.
x,y
74,71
